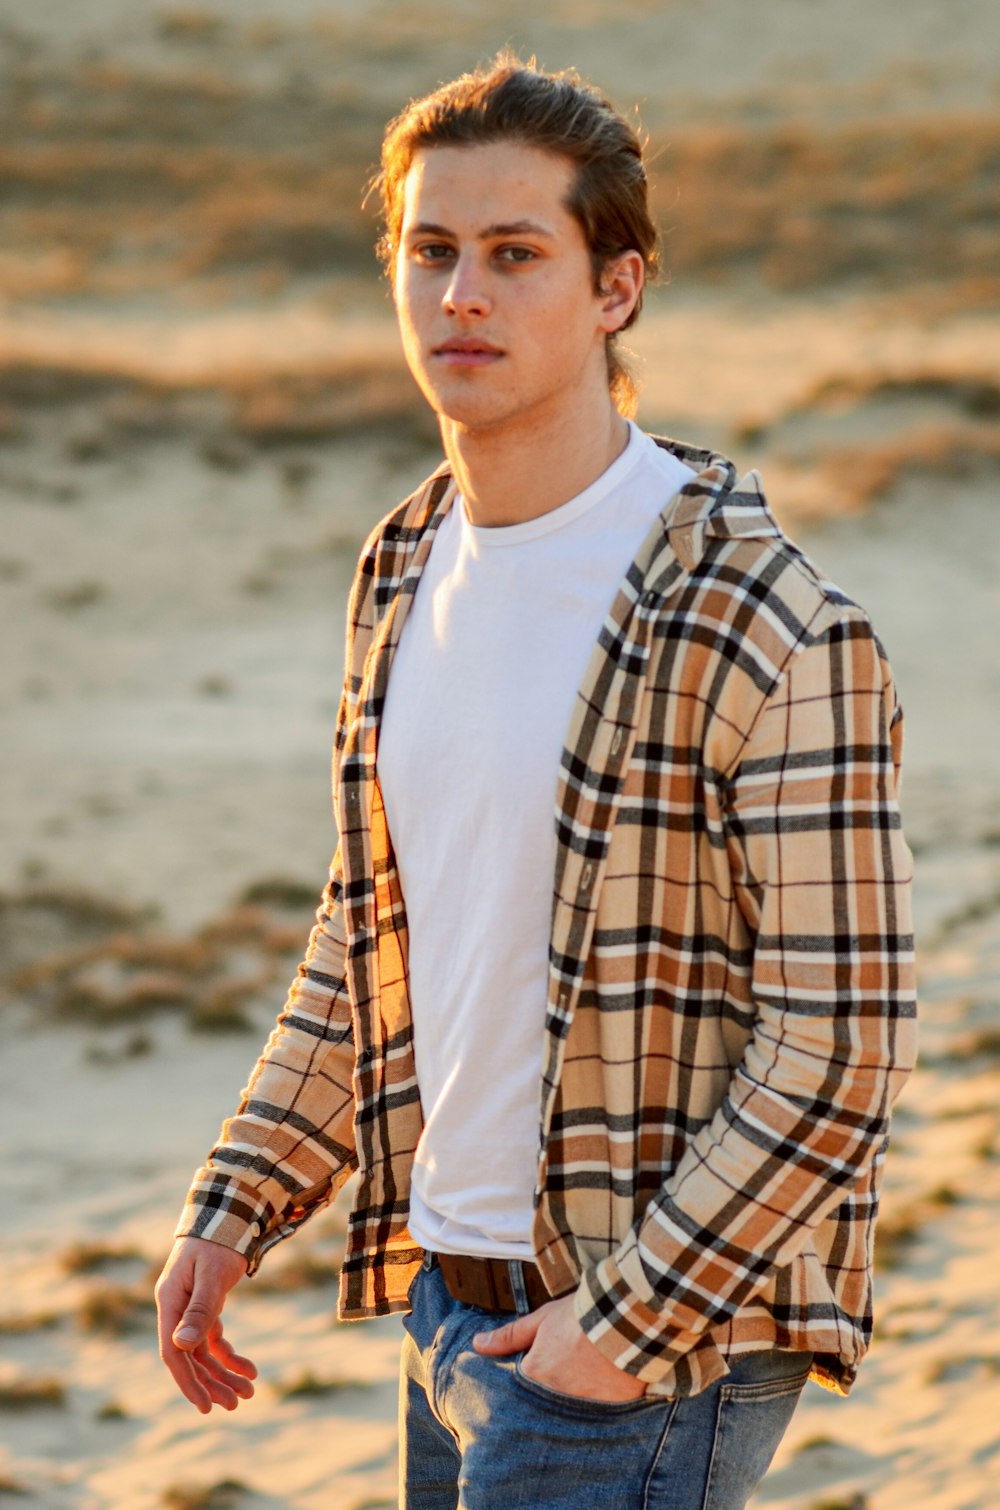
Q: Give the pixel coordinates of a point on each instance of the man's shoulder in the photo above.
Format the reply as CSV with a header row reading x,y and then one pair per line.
x,y
389,549
725,531
738,580
779,578
405,521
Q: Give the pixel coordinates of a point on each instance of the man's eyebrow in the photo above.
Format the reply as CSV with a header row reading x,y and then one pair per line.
x,y
427,228
514,228
488,233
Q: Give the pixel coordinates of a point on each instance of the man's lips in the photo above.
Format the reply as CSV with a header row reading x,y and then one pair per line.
x,y
467,351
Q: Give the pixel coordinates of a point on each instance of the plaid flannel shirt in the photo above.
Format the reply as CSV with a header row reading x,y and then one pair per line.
x,y
731,988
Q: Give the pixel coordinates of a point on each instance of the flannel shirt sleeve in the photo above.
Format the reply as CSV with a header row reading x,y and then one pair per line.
x,y
821,873
291,1141
290,1144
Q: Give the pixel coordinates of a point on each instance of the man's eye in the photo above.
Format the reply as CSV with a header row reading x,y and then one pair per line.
x,y
517,253
432,251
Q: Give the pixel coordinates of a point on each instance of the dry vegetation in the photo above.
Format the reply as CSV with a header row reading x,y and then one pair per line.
x,y
302,1271
111,1411
93,1258
34,919
222,410
195,175
898,1232
117,1310
32,1393
851,1502
861,474
806,205
224,1495
928,422
984,1043
33,1321
964,1366
975,910
307,1386
110,967
203,187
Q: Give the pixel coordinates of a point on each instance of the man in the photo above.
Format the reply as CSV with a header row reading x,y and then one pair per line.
x,y
617,1082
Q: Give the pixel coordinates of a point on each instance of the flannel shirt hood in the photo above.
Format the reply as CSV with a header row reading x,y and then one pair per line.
x,y
730,1006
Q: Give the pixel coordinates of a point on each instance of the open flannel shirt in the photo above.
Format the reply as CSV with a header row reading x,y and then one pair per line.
x,y
730,995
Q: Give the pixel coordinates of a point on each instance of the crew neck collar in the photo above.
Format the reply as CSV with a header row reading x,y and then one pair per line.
x,y
489,537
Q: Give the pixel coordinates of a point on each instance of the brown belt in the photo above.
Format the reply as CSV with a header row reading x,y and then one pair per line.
x,y
486,1282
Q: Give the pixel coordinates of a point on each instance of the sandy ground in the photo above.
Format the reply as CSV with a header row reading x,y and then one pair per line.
x,y
168,729
172,585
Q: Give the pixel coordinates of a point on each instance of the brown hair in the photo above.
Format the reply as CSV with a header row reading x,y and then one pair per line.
x,y
560,113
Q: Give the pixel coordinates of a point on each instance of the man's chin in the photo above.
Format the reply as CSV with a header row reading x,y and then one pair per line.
x,y
469,417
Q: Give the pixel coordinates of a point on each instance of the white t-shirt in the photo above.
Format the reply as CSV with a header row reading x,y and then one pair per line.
x,y
478,705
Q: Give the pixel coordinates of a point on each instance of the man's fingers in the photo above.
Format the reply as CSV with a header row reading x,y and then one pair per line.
x,y
187,1378
512,1337
215,1358
202,1381
200,1316
224,1350
179,1363
210,1372
225,1387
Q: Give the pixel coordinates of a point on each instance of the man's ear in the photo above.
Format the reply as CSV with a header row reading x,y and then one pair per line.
x,y
621,285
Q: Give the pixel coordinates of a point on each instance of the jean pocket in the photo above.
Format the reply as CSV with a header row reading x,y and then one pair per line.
x,y
753,1416
582,1404
762,1390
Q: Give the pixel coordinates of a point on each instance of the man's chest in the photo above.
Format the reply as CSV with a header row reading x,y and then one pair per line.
x,y
481,690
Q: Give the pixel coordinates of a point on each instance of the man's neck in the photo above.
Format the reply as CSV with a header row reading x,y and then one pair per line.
x,y
509,475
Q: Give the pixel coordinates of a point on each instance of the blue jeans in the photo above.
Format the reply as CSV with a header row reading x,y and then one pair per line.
x,y
477,1434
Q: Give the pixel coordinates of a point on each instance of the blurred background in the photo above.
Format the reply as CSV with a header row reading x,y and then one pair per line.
x,y
203,411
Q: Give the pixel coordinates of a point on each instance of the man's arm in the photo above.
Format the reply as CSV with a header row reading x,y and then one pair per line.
x,y
822,875
291,1140
292,1136
281,1155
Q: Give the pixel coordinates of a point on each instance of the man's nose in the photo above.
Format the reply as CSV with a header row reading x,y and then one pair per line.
x,y
466,292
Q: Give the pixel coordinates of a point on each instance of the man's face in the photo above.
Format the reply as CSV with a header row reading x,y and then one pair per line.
x,y
494,288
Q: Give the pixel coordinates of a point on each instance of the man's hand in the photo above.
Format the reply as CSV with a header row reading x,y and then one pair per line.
x,y
190,1294
560,1354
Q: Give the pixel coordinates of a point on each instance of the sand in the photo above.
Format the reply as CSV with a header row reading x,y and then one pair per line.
x,y
194,442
